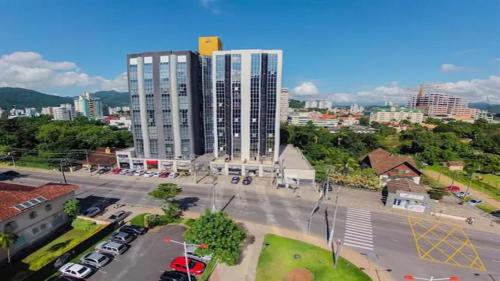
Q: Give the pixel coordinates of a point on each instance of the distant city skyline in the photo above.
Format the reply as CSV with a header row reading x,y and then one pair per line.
x,y
348,51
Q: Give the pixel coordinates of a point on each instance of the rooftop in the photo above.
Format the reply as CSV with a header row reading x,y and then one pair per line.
x,y
404,185
382,161
15,198
292,158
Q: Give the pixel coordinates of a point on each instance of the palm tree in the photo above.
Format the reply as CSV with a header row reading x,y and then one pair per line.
x,y
6,241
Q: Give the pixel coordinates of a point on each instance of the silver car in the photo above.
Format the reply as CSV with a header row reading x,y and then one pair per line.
x,y
95,259
123,237
111,247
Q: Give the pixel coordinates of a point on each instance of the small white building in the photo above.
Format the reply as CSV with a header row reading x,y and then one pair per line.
x,y
295,170
394,114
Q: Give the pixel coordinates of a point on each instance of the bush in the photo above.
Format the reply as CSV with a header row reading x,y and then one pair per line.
x,y
138,220
152,220
172,210
166,191
83,224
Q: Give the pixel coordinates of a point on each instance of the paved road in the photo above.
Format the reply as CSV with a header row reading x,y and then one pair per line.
x,y
382,237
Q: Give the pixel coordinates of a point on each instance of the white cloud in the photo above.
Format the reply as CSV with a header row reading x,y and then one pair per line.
x,y
449,67
474,90
210,5
306,88
30,70
496,59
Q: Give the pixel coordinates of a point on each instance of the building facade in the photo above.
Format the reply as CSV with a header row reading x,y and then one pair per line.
x,y
442,106
246,108
62,113
32,213
284,105
166,109
88,106
393,114
206,47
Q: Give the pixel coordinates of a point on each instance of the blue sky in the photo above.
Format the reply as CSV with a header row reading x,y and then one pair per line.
x,y
347,50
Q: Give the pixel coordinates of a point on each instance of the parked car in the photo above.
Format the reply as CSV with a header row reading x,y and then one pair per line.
x,y
95,259
496,213
461,194
116,171
175,276
130,173
148,174
133,229
124,172
75,270
92,212
103,171
64,278
138,173
172,175
247,180
164,174
453,188
474,202
191,252
196,267
119,216
235,180
111,247
123,237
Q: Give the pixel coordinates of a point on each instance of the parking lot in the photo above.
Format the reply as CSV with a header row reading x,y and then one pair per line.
x,y
148,257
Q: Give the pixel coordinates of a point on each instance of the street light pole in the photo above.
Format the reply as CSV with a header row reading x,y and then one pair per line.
x,y
184,245
62,170
186,259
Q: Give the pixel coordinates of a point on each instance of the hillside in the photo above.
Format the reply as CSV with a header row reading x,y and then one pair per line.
x,y
22,98
113,98
493,108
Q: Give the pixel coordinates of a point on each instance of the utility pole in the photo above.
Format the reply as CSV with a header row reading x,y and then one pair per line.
x,y
214,182
62,170
12,157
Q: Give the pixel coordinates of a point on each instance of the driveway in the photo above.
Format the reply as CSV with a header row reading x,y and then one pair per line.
x,y
147,259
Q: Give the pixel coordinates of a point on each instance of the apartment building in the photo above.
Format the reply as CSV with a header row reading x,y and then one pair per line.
x,y
442,106
395,114
284,105
166,111
246,87
88,106
32,213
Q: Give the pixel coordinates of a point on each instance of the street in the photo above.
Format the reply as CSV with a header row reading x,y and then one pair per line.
x,y
387,239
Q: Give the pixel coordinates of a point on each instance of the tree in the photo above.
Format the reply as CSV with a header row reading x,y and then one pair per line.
x,y
6,241
166,191
72,208
222,235
364,121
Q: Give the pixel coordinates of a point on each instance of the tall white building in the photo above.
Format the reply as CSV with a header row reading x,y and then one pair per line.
x,y
284,105
246,103
62,113
322,104
311,104
356,108
88,106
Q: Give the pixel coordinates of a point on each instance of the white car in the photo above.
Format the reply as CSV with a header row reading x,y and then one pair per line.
x,y
75,270
138,173
148,174
172,175
190,251
92,212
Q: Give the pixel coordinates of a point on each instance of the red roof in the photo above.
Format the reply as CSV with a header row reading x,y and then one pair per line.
x,y
13,194
382,161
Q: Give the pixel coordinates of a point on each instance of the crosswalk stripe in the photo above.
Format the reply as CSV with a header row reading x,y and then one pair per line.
x,y
358,246
359,228
358,216
349,232
359,222
358,211
359,240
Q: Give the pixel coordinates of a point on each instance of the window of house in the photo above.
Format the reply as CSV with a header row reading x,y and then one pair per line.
x,y
10,227
43,226
48,207
33,215
35,230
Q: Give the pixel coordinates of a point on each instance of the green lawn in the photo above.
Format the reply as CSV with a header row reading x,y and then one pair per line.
x,y
138,220
482,185
58,247
488,179
277,260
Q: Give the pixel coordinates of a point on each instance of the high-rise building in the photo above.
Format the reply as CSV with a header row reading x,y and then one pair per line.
x,y
88,106
246,102
206,46
284,105
166,110
61,113
442,106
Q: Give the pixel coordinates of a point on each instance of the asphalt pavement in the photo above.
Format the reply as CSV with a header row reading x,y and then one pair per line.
x,y
385,238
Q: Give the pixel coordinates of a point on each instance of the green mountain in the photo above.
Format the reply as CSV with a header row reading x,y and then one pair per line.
x,y
493,108
22,98
113,98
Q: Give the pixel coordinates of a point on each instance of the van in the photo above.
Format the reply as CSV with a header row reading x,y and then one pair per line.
x,y
111,247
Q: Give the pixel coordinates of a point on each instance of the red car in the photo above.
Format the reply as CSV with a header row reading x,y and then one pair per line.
x,y
164,174
195,267
453,188
116,171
